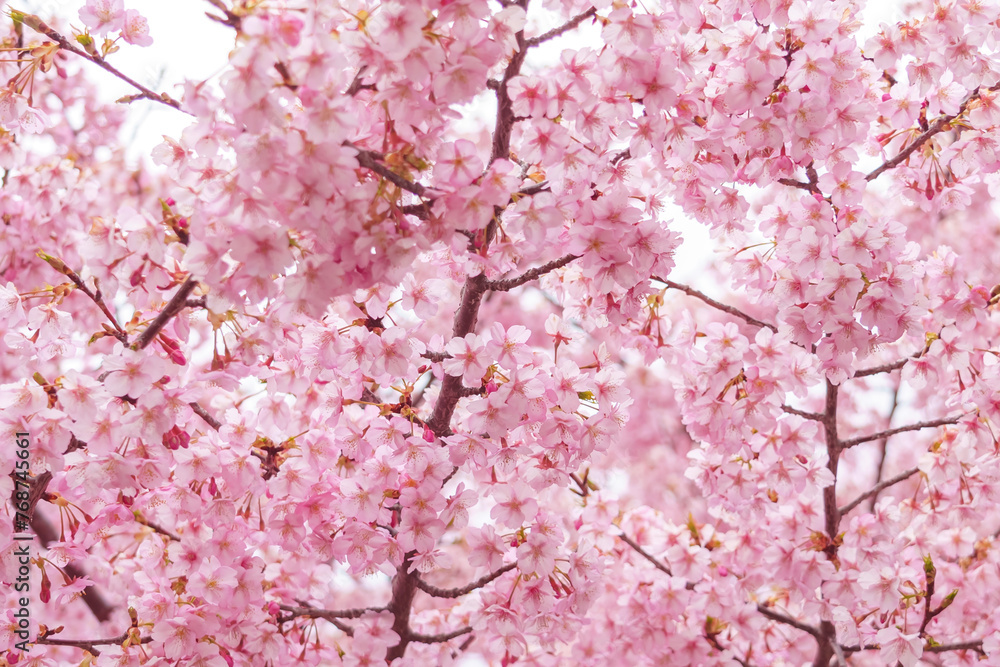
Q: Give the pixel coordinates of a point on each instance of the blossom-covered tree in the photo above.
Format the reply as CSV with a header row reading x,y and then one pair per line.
x,y
346,375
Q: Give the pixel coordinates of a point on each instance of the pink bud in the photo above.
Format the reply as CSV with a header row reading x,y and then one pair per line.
x,y
178,357
491,387
428,434
175,438
182,223
136,277
723,572
213,488
169,201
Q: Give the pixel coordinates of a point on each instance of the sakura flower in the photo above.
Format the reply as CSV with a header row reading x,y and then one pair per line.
x,y
897,647
136,29
468,359
103,16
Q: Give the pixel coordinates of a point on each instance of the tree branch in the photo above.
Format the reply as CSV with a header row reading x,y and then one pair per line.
x,y
976,646
902,429
715,304
204,414
936,127
787,620
327,614
802,413
91,597
885,484
39,26
176,304
564,28
437,639
367,159
528,276
90,645
645,554
434,591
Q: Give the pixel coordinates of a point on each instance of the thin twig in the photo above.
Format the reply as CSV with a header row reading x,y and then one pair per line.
x,y
788,620
203,413
90,645
936,127
64,44
884,443
564,28
845,444
885,484
367,159
814,416
735,312
437,639
645,554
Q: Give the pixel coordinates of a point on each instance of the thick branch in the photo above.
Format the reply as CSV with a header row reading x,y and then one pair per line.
x,y
451,386
885,484
715,304
176,304
564,28
901,429
434,591
100,607
528,276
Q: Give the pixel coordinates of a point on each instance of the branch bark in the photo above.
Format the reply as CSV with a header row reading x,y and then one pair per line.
x,y
902,429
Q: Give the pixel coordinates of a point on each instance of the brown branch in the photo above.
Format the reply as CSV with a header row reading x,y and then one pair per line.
x,y
885,484
814,416
715,304
437,639
975,645
564,28
176,304
156,527
451,386
203,413
827,638
327,614
528,276
436,592
96,297
90,645
802,185
883,444
936,127
367,159
902,429
645,554
787,620
884,368
404,584
91,597
39,26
